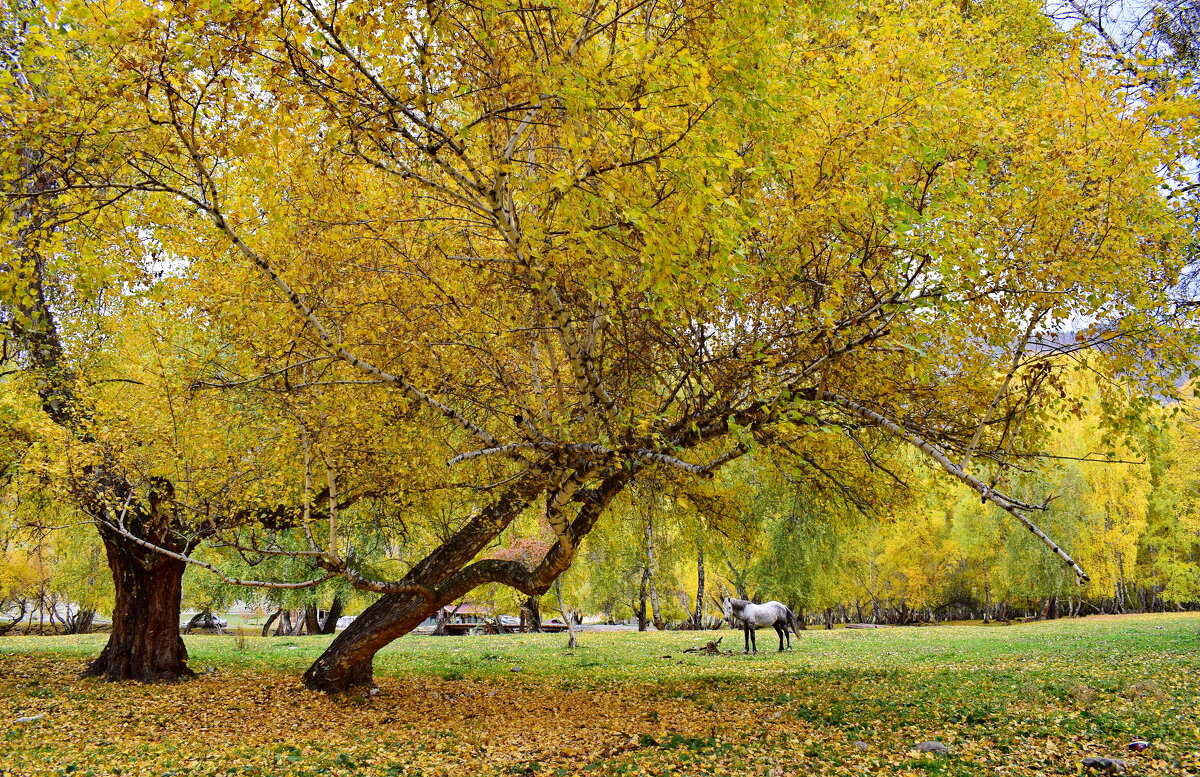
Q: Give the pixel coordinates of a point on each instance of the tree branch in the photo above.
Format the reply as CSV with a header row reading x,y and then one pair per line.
x,y
1008,504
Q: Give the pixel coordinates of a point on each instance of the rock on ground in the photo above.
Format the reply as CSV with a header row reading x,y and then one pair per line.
x,y
1110,765
932,747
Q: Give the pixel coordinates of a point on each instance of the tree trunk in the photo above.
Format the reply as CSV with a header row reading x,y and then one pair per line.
x,y
145,644
828,617
329,625
738,578
566,616
20,616
643,594
655,611
312,624
266,630
443,617
81,622
284,625
444,576
534,611
346,663
698,618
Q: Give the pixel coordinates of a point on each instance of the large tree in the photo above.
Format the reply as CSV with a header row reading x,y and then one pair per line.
x,y
555,245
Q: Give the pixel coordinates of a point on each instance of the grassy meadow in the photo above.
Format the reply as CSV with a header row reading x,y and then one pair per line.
x,y
1025,699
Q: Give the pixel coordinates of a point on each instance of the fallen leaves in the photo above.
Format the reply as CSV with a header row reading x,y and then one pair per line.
x,y
1004,706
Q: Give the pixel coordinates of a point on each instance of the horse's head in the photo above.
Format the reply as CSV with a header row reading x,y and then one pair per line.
x,y
727,607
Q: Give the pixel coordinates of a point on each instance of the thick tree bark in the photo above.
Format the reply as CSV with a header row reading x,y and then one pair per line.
x,y
443,617
698,617
81,622
145,644
347,662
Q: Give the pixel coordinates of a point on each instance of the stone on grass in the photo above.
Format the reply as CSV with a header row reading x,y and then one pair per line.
x,y
517,669
1109,765
932,747
862,745
30,719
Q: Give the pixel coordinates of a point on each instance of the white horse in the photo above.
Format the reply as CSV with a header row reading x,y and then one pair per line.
x,y
754,616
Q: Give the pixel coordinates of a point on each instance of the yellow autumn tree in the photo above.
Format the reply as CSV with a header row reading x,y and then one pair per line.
x,y
557,246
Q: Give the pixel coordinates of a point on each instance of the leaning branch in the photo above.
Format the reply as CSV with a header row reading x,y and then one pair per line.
x,y
1011,506
125,533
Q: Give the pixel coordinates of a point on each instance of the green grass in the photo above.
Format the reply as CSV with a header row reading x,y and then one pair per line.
x,y
1037,648
1025,699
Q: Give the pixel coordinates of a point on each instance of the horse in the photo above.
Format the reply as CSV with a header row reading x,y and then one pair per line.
x,y
754,616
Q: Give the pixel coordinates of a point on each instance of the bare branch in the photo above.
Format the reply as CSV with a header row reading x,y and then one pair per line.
x,y
1018,353
1008,504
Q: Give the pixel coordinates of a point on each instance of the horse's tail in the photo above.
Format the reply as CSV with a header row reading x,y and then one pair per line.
x,y
792,622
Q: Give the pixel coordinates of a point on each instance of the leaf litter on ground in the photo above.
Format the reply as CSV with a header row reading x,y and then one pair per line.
x,y
1004,700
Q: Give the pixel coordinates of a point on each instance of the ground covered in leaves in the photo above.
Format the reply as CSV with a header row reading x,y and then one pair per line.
x,y
1008,700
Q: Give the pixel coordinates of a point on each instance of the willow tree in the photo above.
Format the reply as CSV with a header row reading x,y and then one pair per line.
x,y
571,241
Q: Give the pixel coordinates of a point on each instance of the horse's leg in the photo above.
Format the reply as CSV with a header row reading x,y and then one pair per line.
x,y
746,634
754,638
779,632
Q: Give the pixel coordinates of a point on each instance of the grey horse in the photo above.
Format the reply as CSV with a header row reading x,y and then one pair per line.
x,y
753,616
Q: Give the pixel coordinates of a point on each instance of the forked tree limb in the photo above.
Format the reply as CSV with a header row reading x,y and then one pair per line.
x,y
1008,504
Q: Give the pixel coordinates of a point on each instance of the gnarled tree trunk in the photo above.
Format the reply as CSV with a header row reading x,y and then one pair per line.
x,y
346,663
145,644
